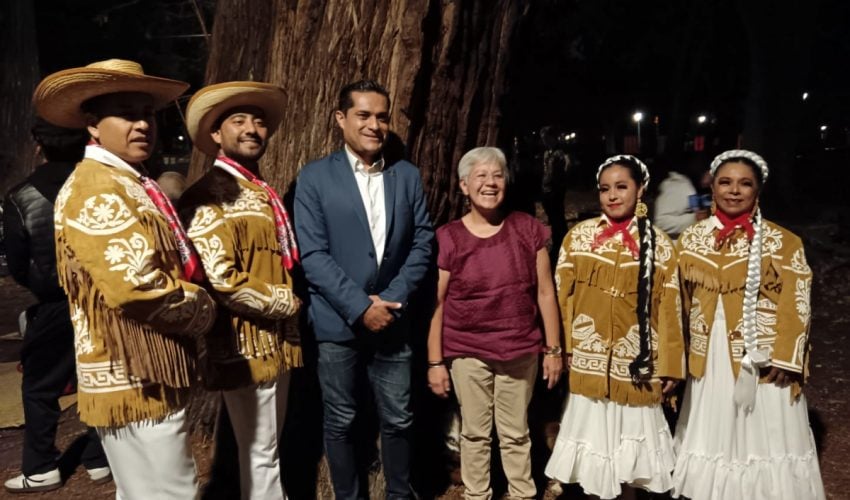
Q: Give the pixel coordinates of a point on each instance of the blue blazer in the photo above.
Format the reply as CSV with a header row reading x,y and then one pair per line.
x,y
336,246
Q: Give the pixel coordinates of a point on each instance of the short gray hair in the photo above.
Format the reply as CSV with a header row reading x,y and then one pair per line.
x,y
481,155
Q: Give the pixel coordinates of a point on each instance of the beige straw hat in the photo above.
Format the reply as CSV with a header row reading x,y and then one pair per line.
x,y
207,105
59,96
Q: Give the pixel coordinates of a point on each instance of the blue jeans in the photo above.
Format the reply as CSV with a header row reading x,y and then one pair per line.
x,y
387,366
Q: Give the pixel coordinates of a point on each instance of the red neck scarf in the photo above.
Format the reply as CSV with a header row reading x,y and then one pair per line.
x,y
613,228
730,225
283,228
191,263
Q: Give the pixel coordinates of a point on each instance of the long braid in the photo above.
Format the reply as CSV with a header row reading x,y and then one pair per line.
x,y
746,384
640,367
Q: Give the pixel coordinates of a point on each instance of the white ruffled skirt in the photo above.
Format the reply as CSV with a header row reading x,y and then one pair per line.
x,y
724,453
602,444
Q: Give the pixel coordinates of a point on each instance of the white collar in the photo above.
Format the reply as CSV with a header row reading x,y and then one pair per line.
x,y
631,227
714,222
358,165
99,154
230,170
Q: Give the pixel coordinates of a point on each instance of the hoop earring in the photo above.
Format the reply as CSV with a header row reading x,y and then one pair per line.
x,y
641,210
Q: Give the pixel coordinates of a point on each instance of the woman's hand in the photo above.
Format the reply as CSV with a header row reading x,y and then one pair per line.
x,y
668,385
781,377
553,366
439,381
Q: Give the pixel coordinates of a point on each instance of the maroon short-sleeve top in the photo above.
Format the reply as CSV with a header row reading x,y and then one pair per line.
x,y
490,309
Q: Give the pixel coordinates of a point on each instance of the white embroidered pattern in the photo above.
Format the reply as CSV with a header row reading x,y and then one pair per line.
x,y
626,349
130,255
798,262
583,236
61,201
249,200
698,329
584,331
801,294
278,303
204,220
82,334
699,238
213,256
136,191
663,250
104,213
771,240
105,376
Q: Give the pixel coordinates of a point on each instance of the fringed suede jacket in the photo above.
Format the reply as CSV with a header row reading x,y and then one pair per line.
x,y
710,273
135,319
255,337
597,294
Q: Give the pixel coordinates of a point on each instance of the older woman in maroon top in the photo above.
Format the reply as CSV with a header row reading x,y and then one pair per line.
x,y
494,288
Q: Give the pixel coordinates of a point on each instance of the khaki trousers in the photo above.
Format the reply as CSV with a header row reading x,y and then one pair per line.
x,y
500,391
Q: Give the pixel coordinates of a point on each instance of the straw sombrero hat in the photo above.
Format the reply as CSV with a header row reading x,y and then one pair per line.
x,y
207,105
59,96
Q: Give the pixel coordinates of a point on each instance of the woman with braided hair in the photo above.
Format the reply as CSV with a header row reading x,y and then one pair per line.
x,y
744,429
624,342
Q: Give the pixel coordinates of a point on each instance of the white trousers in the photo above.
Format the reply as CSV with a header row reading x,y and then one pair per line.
x,y
257,414
151,460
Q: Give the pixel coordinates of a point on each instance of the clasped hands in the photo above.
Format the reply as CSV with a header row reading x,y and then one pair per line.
x,y
379,316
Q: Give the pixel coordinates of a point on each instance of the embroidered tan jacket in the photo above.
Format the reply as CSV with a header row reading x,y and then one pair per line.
x,y
597,293
783,309
135,320
231,224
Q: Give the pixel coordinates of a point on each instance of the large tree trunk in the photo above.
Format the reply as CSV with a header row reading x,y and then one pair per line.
x,y
443,63
19,60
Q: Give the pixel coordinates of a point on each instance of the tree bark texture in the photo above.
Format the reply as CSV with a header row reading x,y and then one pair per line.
x,y
18,79
443,63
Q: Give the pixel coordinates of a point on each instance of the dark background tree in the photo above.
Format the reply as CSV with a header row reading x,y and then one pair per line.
x,y
444,64
19,60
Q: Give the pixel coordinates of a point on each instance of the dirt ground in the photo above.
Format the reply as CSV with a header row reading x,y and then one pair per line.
x,y
828,392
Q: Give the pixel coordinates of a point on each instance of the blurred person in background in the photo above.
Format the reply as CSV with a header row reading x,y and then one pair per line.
x,y
47,352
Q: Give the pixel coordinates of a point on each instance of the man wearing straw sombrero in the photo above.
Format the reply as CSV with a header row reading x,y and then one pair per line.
x,y
130,274
243,234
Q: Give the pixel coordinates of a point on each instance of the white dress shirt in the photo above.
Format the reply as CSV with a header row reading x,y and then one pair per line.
x,y
370,183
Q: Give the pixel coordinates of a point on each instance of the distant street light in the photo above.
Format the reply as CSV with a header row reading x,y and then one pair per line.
x,y
637,118
823,128
805,95
701,118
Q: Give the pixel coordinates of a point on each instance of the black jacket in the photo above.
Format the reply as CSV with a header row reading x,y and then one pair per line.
x,y
28,225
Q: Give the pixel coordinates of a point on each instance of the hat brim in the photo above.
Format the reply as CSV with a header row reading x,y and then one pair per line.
x,y
59,97
208,104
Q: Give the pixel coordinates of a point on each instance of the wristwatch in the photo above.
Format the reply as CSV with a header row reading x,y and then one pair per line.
x,y
554,351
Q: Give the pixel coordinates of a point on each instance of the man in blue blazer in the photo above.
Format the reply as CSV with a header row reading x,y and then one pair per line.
x,y
365,240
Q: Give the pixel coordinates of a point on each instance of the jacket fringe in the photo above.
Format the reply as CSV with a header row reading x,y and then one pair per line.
x,y
133,405
626,393
147,354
